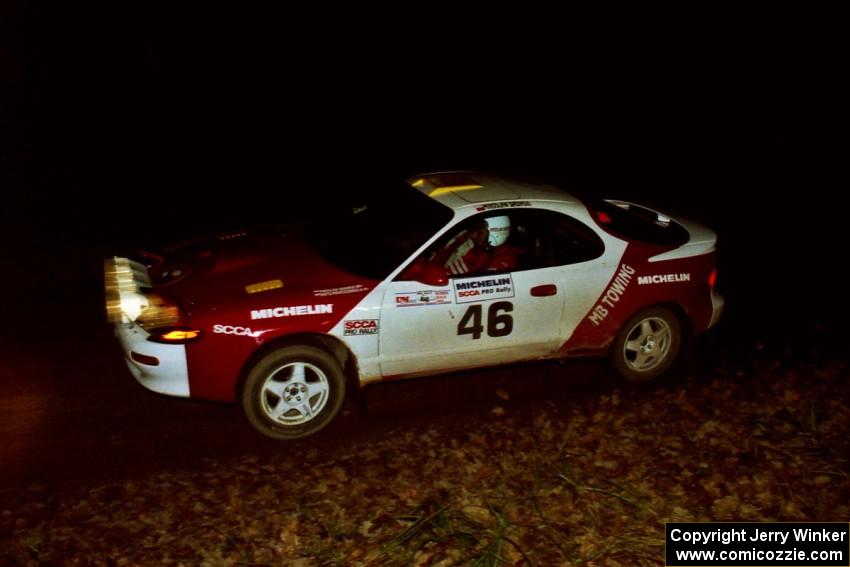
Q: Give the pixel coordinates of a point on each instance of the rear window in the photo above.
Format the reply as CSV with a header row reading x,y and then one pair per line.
x,y
634,222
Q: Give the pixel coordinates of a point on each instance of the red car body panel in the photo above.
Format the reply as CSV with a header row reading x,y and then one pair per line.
x,y
214,296
594,335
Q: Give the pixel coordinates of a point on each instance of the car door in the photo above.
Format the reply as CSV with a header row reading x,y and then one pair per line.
x,y
478,318
432,328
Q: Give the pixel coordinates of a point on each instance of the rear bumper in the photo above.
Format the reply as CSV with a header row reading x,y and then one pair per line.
x,y
717,305
158,367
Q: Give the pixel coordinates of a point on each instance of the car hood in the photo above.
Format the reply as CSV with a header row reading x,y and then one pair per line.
x,y
269,263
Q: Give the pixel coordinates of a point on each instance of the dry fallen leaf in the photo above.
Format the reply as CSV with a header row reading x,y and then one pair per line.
x,y
566,482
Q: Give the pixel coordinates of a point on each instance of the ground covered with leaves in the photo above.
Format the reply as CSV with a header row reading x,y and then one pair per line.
x,y
586,483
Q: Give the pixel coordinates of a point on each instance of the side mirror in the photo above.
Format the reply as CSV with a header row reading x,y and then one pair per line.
x,y
424,272
434,275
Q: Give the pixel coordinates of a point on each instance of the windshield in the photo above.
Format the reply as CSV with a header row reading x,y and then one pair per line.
x,y
374,236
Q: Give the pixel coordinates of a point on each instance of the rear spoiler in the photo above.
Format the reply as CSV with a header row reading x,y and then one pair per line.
x,y
702,240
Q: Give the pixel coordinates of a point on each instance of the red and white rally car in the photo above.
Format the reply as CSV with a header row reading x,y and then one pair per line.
x,y
456,270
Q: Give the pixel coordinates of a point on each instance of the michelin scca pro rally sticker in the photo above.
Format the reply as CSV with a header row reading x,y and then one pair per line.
x,y
483,288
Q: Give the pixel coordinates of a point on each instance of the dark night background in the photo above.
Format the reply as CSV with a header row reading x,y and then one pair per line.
x,y
131,129
134,127
124,130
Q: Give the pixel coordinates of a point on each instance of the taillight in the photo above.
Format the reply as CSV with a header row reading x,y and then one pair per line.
x,y
174,335
712,278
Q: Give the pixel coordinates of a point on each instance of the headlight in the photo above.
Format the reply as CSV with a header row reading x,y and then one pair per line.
x,y
126,301
123,295
156,312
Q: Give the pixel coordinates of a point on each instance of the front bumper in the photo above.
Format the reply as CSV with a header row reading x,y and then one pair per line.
x,y
158,367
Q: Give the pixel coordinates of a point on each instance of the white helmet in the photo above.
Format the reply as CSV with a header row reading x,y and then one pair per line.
x,y
500,230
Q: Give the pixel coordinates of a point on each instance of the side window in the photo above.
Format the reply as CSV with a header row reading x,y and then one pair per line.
x,y
555,239
483,244
472,247
498,242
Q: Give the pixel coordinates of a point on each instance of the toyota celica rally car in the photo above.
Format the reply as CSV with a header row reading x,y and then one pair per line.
x,y
285,319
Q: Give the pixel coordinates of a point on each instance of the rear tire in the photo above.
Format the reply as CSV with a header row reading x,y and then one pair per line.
x,y
293,392
647,345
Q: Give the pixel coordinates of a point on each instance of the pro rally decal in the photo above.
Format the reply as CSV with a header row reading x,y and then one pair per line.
x,y
612,295
483,288
425,297
360,327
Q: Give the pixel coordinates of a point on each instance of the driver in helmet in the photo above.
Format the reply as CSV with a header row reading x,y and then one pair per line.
x,y
481,248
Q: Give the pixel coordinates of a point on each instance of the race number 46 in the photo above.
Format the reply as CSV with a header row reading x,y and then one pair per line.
x,y
499,322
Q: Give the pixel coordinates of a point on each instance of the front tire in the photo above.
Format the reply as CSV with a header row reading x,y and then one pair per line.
x,y
293,392
647,345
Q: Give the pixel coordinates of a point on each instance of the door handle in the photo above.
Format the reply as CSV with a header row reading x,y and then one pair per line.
x,y
544,290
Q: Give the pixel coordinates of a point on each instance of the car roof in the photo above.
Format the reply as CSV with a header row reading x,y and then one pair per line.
x,y
460,189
